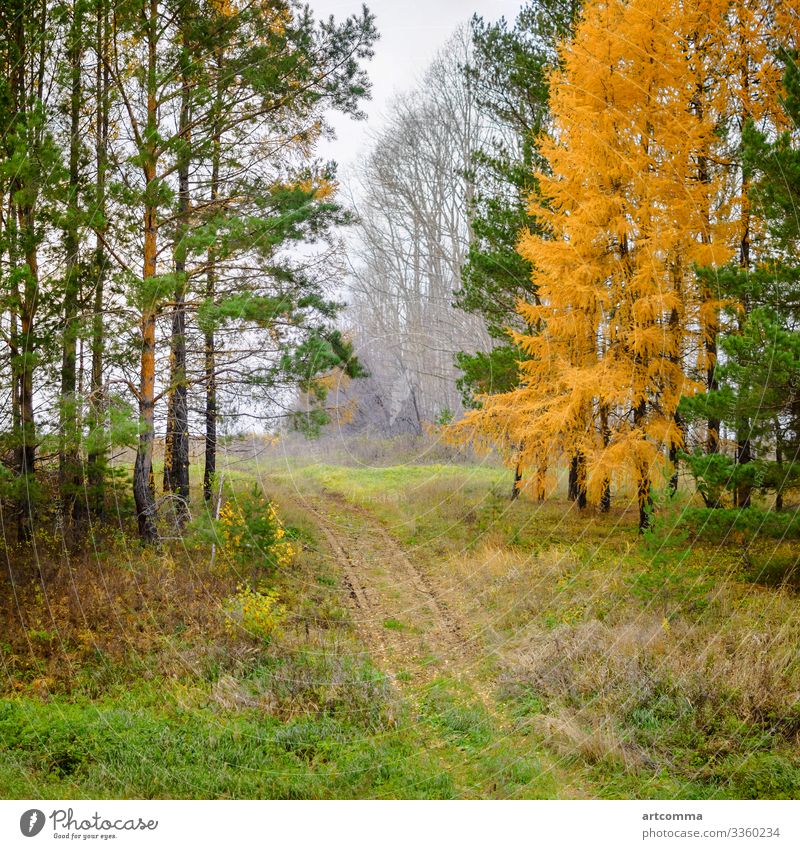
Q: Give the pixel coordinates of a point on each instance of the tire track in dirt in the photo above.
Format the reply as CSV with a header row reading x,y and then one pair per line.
x,y
399,615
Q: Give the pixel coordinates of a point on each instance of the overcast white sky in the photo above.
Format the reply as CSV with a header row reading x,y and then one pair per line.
x,y
411,33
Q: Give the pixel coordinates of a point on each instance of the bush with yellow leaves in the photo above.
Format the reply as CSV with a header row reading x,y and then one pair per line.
x,y
258,613
250,531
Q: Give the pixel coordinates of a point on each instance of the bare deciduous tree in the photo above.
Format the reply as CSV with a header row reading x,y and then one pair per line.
x,y
412,195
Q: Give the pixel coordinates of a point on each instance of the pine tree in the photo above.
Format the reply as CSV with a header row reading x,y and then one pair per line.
x,y
272,70
277,70
760,374
96,431
176,438
747,78
70,465
32,175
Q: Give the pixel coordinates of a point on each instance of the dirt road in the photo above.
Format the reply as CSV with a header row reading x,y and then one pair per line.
x,y
419,642
407,628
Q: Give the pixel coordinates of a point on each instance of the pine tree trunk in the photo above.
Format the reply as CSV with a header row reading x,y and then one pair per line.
x,y
743,457
27,453
210,363
713,424
96,460
210,469
27,298
779,464
176,445
14,343
143,482
70,472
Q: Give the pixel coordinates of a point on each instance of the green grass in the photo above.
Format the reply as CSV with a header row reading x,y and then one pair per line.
x,y
185,711
610,666
85,750
388,484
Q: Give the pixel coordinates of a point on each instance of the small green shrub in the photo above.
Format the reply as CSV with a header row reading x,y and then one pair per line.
x,y
251,531
747,524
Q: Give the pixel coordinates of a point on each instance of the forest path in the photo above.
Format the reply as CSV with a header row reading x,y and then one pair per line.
x,y
430,656
404,623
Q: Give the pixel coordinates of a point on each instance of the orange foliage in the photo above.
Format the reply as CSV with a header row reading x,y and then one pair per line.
x,y
638,192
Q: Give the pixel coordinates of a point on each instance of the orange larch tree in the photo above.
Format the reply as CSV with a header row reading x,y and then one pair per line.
x,y
627,221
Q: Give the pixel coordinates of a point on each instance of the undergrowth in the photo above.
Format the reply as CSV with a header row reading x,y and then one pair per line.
x,y
657,668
